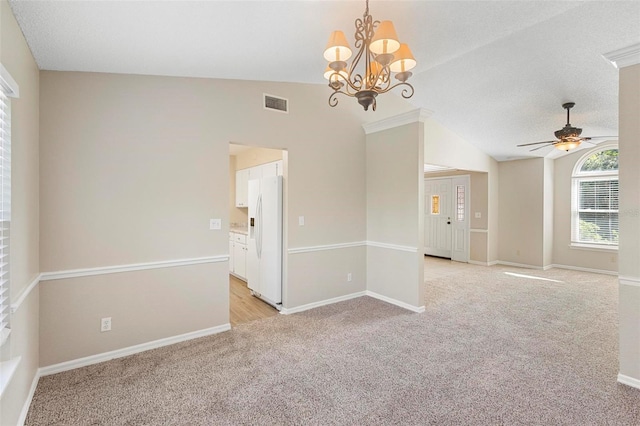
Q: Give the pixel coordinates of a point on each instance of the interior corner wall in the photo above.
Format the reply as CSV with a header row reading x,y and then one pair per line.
x,y
133,167
521,207
23,342
548,212
395,214
563,253
629,247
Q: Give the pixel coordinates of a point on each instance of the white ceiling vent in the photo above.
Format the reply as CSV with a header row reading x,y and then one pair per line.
x,y
275,103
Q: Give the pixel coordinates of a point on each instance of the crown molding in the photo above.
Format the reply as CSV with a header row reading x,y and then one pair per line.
x,y
415,116
624,57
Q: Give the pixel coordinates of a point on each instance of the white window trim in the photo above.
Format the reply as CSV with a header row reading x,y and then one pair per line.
x,y
10,89
576,177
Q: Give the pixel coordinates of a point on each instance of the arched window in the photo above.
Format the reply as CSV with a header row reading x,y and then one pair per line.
x,y
594,206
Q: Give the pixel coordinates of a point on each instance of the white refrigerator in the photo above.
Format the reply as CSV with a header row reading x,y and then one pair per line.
x,y
264,245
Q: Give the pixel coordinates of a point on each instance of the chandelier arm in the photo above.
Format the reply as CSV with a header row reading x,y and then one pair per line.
x,y
406,93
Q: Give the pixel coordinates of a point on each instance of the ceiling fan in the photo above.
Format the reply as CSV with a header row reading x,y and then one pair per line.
x,y
568,137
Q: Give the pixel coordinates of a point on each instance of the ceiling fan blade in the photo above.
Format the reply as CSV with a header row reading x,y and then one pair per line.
x,y
535,143
543,146
586,138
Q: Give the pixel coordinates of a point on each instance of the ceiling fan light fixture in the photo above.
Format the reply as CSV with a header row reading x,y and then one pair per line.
x,y
378,56
568,144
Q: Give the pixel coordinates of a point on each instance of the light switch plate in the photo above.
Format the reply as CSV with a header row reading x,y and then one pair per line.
x,y
300,220
478,215
215,223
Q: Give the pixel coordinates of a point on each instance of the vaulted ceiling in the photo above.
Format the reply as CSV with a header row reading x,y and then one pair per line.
x,y
494,72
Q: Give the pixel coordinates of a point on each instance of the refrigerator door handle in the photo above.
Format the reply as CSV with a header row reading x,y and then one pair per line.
x,y
259,227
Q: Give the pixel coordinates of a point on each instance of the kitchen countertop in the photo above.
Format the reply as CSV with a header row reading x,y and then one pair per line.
x,y
239,230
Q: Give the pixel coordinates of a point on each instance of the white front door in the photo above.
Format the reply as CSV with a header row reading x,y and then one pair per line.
x,y
446,224
437,221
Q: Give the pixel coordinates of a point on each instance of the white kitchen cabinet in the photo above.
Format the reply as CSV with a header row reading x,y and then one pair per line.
x,y
242,187
238,255
269,169
255,172
243,177
240,260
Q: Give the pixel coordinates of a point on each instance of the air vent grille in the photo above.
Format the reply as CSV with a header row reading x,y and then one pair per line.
x,y
274,103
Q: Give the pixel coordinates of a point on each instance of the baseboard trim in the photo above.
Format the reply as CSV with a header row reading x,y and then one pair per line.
x,y
25,293
521,265
119,353
631,281
326,247
74,273
417,309
27,402
580,268
477,262
301,308
629,381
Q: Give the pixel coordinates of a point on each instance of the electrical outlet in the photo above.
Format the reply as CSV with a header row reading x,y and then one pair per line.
x,y
105,324
300,220
517,252
349,277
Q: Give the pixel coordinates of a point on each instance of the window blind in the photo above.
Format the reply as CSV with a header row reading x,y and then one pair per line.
x,y
598,211
5,208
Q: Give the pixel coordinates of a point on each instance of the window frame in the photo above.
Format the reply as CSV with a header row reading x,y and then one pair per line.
x,y
579,176
10,90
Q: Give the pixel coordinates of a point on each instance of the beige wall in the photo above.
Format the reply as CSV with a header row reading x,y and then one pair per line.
x,y
548,212
17,59
494,211
521,228
134,166
255,156
629,248
445,148
563,254
186,301
395,213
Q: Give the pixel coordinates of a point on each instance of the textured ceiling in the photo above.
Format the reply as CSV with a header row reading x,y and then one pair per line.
x,y
495,72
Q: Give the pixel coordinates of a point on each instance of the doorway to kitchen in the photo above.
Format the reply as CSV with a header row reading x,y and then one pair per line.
x,y
256,224
446,222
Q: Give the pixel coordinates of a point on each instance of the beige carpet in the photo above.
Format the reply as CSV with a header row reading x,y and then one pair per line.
x,y
491,348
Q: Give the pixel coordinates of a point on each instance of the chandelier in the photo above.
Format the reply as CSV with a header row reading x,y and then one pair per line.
x,y
381,54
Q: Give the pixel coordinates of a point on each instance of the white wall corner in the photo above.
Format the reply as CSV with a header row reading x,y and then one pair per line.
x,y
419,115
624,57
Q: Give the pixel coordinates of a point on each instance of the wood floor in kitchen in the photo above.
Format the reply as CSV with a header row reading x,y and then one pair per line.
x,y
243,307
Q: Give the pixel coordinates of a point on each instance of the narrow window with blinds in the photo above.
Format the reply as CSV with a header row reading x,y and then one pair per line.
x,y
5,210
595,199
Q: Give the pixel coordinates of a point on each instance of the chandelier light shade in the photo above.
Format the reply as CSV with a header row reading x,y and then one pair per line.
x,y
378,55
337,48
